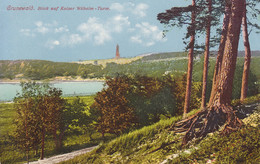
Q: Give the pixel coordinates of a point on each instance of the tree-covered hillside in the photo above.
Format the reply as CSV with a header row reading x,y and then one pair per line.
x,y
154,65
40,69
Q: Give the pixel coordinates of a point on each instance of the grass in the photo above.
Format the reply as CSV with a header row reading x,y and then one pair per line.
x,y
242,146
75,141
156,143
149,144
88,100
7,113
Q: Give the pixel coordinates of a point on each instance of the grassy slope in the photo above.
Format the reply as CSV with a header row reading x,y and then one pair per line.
x,y
155,143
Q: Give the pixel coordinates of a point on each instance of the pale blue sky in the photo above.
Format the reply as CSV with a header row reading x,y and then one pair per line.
x,y
83,35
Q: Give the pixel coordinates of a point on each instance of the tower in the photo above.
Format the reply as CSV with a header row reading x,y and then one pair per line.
x,y
117,52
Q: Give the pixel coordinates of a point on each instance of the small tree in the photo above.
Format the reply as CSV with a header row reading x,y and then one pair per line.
x,y
27,134
28,129
39,109
115,115
54,104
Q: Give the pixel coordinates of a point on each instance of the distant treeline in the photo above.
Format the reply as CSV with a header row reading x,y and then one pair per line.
x,y
40,69
155,65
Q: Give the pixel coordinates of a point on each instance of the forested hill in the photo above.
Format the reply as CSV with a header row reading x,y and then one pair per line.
x,y
40,69
153,65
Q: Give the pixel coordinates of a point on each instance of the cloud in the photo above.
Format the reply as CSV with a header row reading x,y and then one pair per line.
x,y
73,39
138,10
117,6
118,22
44,28
38,23
136,39
96,31
56,42
99,31
61,29
147,34
93,29
27,32
52,43
41,28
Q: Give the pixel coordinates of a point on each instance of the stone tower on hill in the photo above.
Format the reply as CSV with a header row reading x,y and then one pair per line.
x,y
117,52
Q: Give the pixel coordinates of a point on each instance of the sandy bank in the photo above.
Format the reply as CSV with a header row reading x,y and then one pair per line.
x,y
52,80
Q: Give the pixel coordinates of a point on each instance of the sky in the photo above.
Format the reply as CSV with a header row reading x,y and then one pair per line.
x,y
57,34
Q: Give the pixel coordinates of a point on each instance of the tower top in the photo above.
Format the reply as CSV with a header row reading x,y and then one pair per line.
x,y
117,52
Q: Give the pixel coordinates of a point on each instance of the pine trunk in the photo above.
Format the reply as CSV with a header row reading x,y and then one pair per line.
x,y
225,78
221,48
190,63
219,111
247,58
206,56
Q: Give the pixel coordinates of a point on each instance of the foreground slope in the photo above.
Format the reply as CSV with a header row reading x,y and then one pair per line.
x,y
159,144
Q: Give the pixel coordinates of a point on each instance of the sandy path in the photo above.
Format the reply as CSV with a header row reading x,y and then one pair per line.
x,y
63,157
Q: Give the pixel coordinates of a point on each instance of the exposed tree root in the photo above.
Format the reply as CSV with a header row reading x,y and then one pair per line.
x,y
207,121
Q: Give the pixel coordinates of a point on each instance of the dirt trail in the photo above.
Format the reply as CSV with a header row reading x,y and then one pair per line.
x,y
63,157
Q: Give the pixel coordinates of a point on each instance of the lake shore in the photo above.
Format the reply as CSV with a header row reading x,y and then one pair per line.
x,y
70,88
59,79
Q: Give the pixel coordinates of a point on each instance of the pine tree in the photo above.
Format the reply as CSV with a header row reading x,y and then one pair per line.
x,y
219,111
244,87
206,56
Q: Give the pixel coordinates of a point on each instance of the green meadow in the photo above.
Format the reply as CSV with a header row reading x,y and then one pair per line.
x,y
75,141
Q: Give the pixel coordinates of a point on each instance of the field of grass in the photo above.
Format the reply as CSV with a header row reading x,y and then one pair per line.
x,y
7,114
10,154
157,143
88,100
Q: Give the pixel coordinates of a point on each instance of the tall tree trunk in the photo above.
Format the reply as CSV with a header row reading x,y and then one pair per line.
x,y
224,81
247,58
219,111
206,56
221,47
190,63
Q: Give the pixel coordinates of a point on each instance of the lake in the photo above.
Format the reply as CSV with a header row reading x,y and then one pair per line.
x,y
8,90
